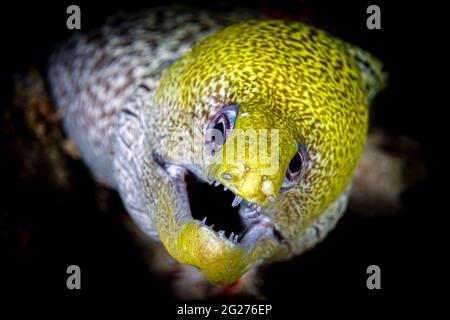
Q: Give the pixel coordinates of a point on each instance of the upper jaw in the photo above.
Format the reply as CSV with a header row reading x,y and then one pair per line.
x,y
249,183
223,259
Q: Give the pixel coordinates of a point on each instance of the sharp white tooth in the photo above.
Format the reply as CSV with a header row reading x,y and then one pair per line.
x,y
236,201
211,182
216,183
211,227
271,199
226,176
225,188
221,233
231,236
236,238
204,220
259,209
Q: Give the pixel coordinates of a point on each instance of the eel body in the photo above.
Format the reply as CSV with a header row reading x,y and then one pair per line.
x,y
151,98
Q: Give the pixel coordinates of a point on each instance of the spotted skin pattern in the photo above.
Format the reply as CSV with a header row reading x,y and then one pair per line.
x,y
125,91
292,77
92,75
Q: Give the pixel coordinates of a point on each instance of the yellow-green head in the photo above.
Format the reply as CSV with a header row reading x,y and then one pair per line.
x,y
284,87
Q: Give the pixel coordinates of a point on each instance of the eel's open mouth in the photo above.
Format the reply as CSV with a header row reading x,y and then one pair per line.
x,y
229,215
229,231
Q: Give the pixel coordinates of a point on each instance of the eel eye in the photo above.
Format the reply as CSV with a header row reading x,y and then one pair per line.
x,y
295,168
220,127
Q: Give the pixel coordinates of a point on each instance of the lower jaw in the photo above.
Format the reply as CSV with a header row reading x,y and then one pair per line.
x,y
222,261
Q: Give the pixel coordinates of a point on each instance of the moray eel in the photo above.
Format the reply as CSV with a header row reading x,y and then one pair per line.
x,y
144,96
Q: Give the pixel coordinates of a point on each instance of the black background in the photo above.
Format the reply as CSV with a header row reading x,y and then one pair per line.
x,y
405,246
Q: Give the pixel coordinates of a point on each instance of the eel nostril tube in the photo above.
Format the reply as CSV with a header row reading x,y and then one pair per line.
x,y
267,187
